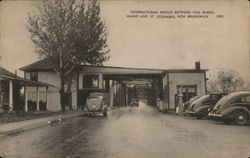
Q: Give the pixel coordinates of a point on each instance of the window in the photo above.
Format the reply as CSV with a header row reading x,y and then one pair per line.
x,y
214,97
206,101
106,84
245,99
188,91
34,76
90,81
191,90
4,92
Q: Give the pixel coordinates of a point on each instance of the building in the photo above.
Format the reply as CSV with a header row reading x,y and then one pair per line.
x,y
118,83
13,93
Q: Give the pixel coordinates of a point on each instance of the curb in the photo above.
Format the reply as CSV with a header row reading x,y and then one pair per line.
x,y
5,134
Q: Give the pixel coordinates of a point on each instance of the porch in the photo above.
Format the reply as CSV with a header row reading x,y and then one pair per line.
x,y
14,96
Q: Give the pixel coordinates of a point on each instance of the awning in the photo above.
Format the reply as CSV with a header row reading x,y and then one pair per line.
x,y
4,73
32,83
27,82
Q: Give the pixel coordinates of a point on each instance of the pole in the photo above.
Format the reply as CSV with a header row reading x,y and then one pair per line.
x,y
47,98
37,98
11,95
0,93
25,97
111,95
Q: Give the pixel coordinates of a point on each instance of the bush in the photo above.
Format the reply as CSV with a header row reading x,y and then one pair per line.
x,y
32,105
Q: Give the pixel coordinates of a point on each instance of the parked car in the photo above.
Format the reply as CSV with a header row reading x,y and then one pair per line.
x,y
189,102
202,101
96,104
202,110
134,102
233,107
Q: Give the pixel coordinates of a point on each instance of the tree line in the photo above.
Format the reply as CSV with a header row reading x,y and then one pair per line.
x,y
227,81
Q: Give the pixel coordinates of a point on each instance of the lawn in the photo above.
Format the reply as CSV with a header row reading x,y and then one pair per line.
x,y
21,116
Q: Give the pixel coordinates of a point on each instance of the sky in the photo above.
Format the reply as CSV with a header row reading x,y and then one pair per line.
x,y
164,43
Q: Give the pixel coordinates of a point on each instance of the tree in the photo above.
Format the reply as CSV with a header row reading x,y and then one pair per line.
x,y
69,33
227,81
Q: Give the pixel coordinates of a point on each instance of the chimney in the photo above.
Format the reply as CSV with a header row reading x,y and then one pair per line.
x,y
197,65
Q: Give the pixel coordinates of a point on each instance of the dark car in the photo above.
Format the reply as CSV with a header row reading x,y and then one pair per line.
x,y
202,101
96,104
233,107
134,102
189,102
202,110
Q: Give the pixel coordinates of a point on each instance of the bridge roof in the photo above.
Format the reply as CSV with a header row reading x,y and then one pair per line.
x,y
43,65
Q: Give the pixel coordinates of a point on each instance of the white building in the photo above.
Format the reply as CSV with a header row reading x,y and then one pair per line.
x,y
114,83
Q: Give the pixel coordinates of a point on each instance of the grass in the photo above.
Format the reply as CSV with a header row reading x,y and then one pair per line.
x,y
21,116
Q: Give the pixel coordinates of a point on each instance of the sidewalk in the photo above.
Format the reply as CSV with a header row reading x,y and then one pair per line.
x,y
17,127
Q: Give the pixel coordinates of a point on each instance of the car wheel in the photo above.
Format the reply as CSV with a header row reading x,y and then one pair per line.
x,y
241,118
105,113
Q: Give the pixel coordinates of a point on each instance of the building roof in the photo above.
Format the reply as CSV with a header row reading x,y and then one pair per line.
x,y
118,70
185,70
6,73
43,65
11,76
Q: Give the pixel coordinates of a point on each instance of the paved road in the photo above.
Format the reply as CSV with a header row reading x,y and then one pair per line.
x,y
131,133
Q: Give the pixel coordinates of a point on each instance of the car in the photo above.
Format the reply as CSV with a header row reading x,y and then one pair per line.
x,y
134,102
96,104
189,102
233,107
202,101
202,110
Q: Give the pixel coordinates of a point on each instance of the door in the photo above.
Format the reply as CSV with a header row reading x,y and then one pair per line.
x,y
188,91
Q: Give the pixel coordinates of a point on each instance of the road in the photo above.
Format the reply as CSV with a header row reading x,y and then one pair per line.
x,y
141,132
